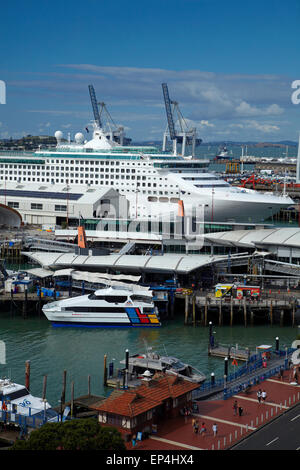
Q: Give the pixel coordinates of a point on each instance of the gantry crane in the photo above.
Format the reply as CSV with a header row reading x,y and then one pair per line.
x,y
111,130
185,136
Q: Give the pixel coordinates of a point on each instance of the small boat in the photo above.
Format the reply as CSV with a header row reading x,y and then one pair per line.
x,y
15,398
223,154
114,306
152,362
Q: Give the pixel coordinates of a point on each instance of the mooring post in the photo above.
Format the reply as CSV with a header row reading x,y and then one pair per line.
x,y
220,313
252,317
293,314
25,302
231,310
205,312
210,338
63,393
27,375
105,371
245,312
72,399
186,309
271,313
277,344
89,385
194,310
281,317
40,299
44,387
11,300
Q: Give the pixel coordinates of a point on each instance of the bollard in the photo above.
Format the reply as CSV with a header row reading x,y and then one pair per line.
x,y
226,366
212,379
126,359
277,343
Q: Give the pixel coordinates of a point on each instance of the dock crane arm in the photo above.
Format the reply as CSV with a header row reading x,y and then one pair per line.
x,y
169,111
95,105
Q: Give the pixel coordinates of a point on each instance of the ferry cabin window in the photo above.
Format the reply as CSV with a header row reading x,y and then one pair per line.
x,y
109,298
140,298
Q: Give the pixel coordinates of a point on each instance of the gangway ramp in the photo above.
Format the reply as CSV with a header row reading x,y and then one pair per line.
x,y
127,249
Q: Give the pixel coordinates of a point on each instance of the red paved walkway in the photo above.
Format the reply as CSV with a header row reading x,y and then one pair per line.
x,y
178,433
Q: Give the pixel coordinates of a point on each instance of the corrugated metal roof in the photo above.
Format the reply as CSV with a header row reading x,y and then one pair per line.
x,y
168,262
285,236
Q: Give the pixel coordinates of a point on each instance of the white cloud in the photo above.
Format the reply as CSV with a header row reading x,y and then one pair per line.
x,y
244,109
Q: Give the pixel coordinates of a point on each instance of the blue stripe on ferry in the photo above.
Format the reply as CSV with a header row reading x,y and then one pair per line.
x,y
84,325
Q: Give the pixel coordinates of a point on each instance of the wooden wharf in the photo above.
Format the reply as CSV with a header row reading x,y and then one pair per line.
x,y
200,306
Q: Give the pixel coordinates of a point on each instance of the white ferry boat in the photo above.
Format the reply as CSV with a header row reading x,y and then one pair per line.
x,y
154,183
15,398
112,307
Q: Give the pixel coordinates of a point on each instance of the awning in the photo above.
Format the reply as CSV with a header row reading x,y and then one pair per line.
x,y
40,272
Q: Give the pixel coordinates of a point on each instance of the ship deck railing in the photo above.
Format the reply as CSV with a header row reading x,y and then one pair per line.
x,y
33,420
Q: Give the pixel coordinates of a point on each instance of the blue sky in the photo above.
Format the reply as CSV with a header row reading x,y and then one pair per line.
x,y
229,64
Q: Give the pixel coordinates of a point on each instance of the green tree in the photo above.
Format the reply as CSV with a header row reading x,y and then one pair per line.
x,y
78,434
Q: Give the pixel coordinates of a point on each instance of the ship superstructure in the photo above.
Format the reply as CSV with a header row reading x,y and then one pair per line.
x,y
153,182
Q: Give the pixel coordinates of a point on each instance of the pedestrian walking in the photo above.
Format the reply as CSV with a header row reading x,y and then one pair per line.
x,y
215,429
259,395
240,411
235,407
203,429
263,396
196,426
281,373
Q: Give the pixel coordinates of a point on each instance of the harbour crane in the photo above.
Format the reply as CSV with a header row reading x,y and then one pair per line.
x,y
95,106
185,136
112,132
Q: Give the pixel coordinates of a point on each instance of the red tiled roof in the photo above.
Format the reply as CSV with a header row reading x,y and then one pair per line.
x,y
147,396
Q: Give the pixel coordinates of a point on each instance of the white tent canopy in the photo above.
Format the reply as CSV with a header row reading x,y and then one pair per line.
x,y
94,277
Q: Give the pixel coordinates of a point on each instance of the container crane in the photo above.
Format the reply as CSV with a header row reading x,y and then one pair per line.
x,y
113,132
184,136
95,106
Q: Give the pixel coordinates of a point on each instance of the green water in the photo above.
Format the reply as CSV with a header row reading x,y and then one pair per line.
x,y
80,351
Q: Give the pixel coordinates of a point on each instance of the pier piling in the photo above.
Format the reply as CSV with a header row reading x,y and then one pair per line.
x,y
186,309
105,371
63,393
44,387
194,310
27,375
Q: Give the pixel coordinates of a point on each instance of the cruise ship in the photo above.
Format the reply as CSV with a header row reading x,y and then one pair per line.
x,y
113,306
154,183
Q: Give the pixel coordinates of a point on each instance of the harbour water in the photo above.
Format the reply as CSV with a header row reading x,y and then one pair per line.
x,y
80,351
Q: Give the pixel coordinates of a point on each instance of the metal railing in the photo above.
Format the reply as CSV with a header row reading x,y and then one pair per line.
x,y
35,420
255,363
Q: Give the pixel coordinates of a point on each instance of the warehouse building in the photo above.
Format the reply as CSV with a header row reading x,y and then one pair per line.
x,y
52,204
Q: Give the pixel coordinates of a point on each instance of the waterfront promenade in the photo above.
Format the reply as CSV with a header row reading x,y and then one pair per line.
x,y
177,434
